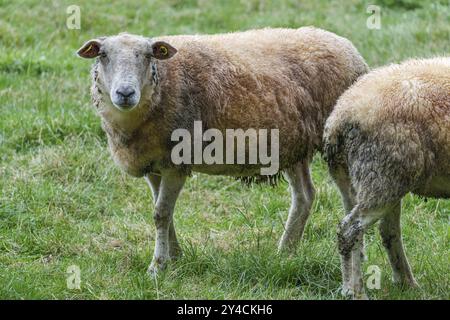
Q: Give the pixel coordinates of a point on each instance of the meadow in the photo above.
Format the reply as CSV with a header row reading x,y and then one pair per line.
x,y
63,202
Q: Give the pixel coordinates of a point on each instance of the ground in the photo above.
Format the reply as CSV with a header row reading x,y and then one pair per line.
x,y
63,202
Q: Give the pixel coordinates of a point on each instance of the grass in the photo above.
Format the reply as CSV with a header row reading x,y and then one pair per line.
x,y
63,202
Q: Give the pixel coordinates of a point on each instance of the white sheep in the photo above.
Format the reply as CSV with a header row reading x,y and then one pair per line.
x,y
281,79
388,135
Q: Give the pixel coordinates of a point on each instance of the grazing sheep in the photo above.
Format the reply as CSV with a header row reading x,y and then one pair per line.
x,y
388,135
281,79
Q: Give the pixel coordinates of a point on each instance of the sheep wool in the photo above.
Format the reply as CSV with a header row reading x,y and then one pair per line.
x,y
388,135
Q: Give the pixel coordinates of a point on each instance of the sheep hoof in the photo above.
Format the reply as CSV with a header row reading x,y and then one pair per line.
x,y
360,296
349,293
156,267
152,271
346,292
287,246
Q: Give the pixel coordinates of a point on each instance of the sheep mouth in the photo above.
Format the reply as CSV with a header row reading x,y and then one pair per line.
x,y
125,106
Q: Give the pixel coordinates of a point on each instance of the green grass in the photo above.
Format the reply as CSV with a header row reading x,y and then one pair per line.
x,y
63,202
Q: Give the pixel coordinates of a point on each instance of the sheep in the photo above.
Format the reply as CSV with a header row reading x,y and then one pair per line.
x,y
279,79
388,135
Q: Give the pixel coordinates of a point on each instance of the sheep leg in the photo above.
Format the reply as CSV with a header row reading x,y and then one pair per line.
x,y
346,269
356,279
350,240
302,197
343,183
392,241
154,181
345,246
170,187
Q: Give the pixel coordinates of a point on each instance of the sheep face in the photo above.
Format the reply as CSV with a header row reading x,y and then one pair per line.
x,y
126,66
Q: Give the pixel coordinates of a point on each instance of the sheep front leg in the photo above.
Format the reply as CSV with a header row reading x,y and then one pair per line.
x,y
302,197
170,187
154,181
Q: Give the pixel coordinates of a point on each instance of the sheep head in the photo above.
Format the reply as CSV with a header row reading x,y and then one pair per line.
x,y
126,66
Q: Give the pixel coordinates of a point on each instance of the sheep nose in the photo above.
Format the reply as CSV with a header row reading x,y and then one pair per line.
x,y
125,92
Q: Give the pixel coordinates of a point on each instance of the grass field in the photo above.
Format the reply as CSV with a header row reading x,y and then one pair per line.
x,y
63,202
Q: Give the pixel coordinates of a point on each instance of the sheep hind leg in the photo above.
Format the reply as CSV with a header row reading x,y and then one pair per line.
x,y
343,183
302,197
154,181
356,279
392,241
170,187
350,237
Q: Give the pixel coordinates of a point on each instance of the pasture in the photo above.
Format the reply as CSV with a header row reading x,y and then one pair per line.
x,y
63,202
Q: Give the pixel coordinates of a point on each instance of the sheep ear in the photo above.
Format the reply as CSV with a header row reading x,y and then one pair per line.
x,y
90,49
162,50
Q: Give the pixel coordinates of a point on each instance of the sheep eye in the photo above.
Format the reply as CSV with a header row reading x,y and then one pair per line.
x,y
103,55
